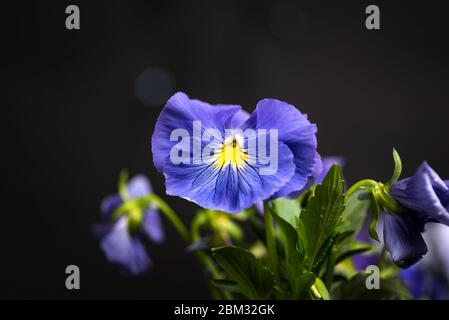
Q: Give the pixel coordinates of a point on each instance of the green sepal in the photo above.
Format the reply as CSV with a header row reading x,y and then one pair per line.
x,y
122,185
135,219
397,169
372,230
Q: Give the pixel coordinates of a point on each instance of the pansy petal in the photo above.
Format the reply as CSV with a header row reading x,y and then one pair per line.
x,y
319,172
313,178
239,189
152,226
99,230
446,182
139,186
259,207
294,130
363,260
125,250
414,279
239,118
227,188
424,193
179,113
402,238
109,204
305,161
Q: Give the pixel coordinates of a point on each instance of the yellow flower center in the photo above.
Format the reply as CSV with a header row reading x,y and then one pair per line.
x,y
231,153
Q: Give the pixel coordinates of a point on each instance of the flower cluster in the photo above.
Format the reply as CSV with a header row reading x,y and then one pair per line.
x,y
312,226
425,197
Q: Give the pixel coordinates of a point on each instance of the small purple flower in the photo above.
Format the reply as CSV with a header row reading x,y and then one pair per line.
x,y
234,183
121,238
425,196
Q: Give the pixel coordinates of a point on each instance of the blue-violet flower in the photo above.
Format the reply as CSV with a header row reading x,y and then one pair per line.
x,y
218,156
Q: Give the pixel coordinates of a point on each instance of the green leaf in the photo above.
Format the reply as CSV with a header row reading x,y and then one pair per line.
x,y
318,221
288,210
320,290
226,285
302,284
356,210
253,279
355,249
372,230
290,240
341,237
293,260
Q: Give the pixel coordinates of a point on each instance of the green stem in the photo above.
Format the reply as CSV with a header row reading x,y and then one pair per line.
x,y
383,255
271,240
331,266
170,215
122,185
360,184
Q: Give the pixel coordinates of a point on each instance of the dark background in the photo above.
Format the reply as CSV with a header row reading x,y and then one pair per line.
x,y
72,118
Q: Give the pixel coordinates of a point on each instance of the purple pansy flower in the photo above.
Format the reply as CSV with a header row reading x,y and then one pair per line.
x,y
123,243
233,183
425,196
